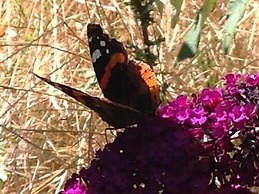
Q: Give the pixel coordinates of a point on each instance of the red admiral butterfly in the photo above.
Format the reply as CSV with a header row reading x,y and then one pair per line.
x,y
131,88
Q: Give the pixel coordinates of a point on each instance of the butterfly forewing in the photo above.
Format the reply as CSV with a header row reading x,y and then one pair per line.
x,y
122,81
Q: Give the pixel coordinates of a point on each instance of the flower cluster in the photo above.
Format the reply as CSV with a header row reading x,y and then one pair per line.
x,y
206,144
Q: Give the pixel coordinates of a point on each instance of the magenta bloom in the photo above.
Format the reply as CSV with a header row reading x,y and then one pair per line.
x,y
252,80
198,116
205,144
211,97
177,110
74,186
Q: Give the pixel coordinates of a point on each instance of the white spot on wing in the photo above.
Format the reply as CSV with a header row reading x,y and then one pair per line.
x,y
90,39
96,55
102,43
107,51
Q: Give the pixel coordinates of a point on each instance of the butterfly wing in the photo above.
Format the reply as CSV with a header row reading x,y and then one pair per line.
x,y
146,87
114,114
109,59
122,81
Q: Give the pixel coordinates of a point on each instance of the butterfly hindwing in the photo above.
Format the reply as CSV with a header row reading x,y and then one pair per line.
x,y
114,114
146,87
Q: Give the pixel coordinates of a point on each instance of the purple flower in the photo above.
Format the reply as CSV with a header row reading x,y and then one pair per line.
x,y
241,114
250,110
238,114
252,80
207,144
177,110
74,186
198,116
231,81
219,114
219,129
211,97
182,114
167,112
197,133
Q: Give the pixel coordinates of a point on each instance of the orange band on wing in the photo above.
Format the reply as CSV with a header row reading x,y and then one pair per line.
x,y
115,58
149,77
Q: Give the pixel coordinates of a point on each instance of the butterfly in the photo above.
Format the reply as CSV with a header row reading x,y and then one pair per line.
x,y
130,87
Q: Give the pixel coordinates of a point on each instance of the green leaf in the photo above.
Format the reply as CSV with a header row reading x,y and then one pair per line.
x,y
29,36
163,93
177,5
235,11
160,6
192,39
